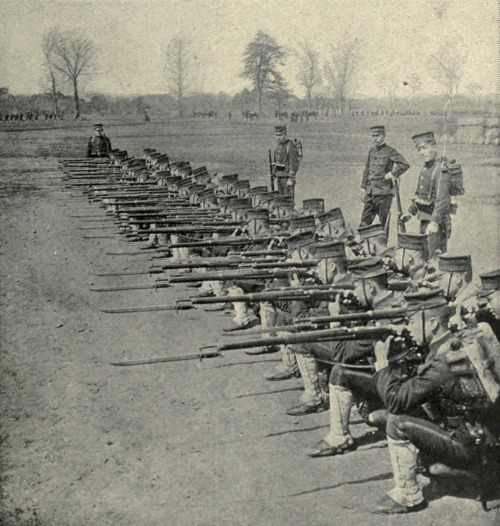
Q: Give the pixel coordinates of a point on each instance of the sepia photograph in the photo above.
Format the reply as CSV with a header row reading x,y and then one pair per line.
x,y
249,262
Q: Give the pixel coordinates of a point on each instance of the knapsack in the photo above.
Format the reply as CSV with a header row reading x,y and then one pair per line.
x,y
456,177
298,145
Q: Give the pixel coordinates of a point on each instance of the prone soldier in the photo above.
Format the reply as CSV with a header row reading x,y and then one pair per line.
x,y
448,413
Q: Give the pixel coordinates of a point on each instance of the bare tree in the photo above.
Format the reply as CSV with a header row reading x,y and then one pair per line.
x,y
447,65
179,65
309,74
73,56
261,59
342,69
49,42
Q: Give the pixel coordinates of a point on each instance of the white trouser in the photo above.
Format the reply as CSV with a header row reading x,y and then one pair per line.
x,y
341,402
406,490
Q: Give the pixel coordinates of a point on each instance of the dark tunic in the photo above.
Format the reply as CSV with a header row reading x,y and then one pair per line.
x,y
382,160
98,146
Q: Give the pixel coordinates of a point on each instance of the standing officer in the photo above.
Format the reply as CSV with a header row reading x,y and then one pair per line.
x,y
99,145
432,203
383,165
285,162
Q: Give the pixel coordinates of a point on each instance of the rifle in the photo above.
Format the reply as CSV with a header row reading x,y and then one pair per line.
x,y
401,223
283,294
271,171
213,351
325,335
383,314
222,242
235,274
300,324
212,263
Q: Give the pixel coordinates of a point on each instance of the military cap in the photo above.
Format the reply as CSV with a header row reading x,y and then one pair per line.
x,y
114,151
280,128
490,280
242,185
200,170
98,125
202,178
330,249
428,298
184,183
257,190
229,179
412,241
258,214
379,128
283,200
398,285
424,138
224,201
451,263
300,240
361,266
149,150
332,215
367,232
173,179
302,222
378,274
195,188
162,174
239,203
208,193
155,155
318,205
268,197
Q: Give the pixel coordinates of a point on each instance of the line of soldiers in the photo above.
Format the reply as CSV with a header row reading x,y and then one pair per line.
x,y
405,334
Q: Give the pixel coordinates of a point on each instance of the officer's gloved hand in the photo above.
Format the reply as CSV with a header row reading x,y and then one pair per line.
x,y
432,228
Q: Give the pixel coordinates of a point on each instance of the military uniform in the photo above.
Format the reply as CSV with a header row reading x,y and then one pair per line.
x,y
440,412
432,201
98,145
381,160
285,164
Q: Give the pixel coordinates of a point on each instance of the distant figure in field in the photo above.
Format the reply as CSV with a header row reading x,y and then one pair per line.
x,y
147,118
229,115
384,164
99,145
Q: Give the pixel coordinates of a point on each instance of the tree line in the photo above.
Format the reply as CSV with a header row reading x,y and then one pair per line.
x,y
330,80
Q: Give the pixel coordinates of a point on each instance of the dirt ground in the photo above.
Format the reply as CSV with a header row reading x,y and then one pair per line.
x,y
83,442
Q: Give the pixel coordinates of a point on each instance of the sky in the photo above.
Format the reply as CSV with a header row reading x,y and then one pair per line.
x,y
398,37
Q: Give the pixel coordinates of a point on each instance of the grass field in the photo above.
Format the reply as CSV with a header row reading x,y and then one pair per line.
x,y
185,443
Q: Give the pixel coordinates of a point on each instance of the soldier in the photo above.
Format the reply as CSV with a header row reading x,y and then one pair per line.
x,y
99,145
450,405
384,164
285,162
432,204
